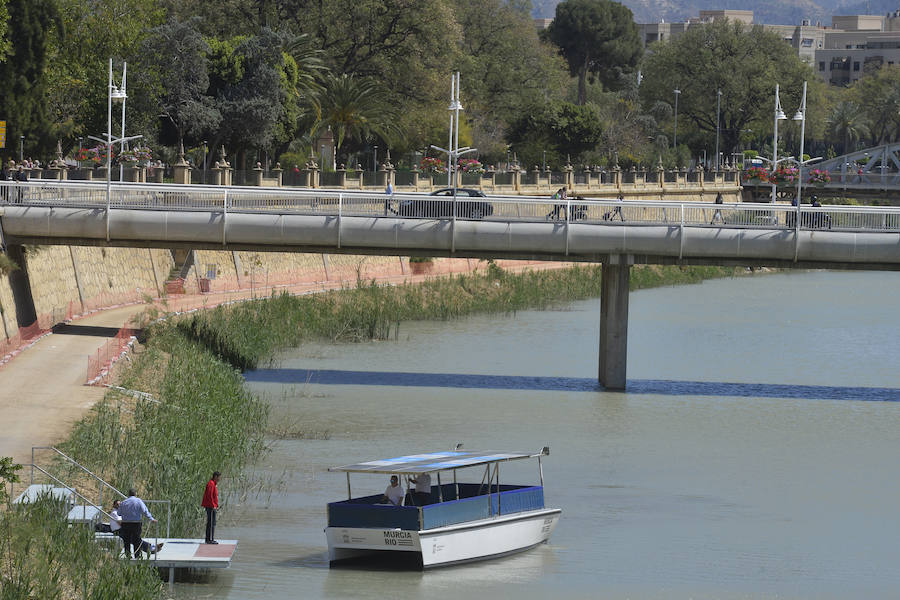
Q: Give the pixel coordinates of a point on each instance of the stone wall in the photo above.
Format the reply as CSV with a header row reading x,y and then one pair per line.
x,y
67,281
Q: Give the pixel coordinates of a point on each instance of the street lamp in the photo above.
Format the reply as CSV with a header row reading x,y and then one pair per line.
x,y
801,116
21,149
718,104
375,159
779,116
675,137
204,161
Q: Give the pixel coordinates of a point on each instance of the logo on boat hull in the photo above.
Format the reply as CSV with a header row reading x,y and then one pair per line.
x,y
397,538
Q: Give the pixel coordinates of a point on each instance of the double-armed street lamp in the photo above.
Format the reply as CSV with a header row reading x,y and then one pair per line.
x,y
675,135
779,116
718,104
801,116
454,151
114,93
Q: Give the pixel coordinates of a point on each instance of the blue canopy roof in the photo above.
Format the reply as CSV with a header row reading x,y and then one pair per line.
x,y
435,461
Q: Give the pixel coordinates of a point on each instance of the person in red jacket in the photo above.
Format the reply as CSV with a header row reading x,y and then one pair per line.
x,y
211,504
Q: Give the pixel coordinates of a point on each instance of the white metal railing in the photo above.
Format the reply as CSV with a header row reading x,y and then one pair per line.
x,y
595,211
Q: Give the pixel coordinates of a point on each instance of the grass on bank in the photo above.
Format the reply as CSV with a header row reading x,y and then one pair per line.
x,y
199,418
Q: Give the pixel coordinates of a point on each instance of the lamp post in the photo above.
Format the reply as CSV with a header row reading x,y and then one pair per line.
x,y
718,104
375,159
21,149
675,136
123,97
454,151
113,92
544,161
204,161
779,116
801,116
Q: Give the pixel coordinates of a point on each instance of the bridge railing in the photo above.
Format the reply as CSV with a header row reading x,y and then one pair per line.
x,y
419,206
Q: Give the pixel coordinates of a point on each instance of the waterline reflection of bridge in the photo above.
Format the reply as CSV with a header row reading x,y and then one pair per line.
x,y
615,233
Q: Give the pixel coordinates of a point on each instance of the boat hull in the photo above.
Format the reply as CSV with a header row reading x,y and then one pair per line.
x,y
453,544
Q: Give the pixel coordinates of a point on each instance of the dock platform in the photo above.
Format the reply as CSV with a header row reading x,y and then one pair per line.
x,y
183,553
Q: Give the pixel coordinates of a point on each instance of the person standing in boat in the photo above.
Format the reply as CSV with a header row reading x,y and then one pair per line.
x,y
394,492
211,504
422,495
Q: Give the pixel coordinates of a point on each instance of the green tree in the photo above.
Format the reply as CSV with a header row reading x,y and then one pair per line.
x,y
505,69
877,95
561,128
356,108
8,474
745,64
4,26
78,63
173,71
598,38
22,95
847,122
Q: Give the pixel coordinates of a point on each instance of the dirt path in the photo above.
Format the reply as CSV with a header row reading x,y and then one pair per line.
x,y
42,391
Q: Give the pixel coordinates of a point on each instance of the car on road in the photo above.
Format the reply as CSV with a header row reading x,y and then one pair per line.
x,y
439,205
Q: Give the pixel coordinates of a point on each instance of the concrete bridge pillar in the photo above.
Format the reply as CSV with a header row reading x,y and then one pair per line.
x,y
614,321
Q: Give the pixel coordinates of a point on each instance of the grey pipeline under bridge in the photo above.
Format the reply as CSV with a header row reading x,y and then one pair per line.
x,y
615,233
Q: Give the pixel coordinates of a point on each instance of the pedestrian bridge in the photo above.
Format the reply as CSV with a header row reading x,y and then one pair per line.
x,y
280,219
872,171
615,233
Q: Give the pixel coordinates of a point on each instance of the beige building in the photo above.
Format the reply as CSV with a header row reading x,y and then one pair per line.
x,y
839,54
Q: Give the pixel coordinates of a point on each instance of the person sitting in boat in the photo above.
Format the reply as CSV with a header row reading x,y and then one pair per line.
x,y
422,495
394,492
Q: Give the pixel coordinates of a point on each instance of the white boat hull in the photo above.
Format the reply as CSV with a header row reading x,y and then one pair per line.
x,y
463,542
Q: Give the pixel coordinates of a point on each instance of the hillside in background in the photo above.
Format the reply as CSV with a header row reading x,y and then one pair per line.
x,y
784,12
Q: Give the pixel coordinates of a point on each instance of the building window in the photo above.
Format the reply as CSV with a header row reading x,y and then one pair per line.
x,y
806,42
856,65
821,65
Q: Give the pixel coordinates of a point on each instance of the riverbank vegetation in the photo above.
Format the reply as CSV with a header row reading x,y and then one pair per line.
x,y
192,415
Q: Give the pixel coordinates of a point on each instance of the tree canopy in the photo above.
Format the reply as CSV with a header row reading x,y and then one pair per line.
x,y
598,38
744,63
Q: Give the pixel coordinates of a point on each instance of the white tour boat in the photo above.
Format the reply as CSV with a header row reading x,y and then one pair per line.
x,y
461,522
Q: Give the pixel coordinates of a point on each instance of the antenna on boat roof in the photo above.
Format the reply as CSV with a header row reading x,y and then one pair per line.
x,y
458,446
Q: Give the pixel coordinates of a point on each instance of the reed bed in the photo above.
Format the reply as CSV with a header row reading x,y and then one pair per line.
x,y
42,557
246,334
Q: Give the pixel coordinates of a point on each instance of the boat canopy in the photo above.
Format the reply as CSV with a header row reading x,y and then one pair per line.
x,y
436,461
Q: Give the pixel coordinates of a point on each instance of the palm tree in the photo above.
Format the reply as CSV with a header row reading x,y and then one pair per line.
x,y
356,108
848,123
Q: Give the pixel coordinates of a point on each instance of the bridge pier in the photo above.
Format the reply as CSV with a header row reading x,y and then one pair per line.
x,y
616,276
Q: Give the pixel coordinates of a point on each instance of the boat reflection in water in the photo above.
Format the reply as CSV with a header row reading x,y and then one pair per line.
x,y
461,522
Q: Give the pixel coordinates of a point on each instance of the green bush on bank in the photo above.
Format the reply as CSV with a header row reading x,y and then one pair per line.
x,y
42,557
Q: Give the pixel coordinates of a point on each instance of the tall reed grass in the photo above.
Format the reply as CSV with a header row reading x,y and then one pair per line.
x,y
42,557
246,334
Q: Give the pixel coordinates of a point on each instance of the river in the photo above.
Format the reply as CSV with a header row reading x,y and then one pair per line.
x,y
754,454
